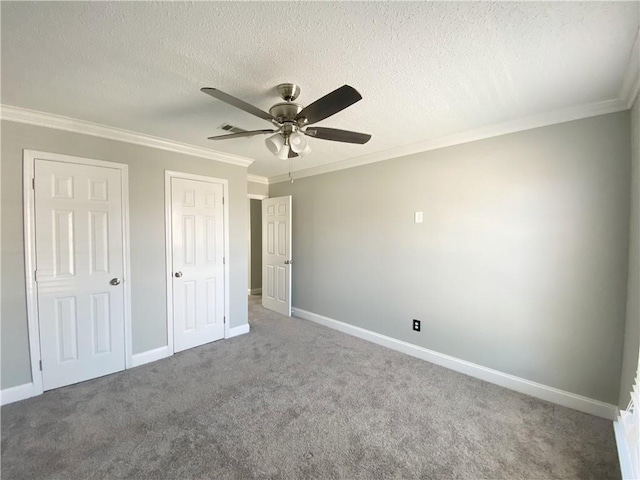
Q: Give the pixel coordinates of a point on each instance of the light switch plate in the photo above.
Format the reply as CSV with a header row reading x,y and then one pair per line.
x,y
417,217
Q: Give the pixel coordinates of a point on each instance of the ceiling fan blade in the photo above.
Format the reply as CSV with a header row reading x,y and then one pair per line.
x,y
241,134
236,102
292,154
337,135
330,104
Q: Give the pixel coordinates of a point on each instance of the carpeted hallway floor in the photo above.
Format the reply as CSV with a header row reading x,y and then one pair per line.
x,y
295,400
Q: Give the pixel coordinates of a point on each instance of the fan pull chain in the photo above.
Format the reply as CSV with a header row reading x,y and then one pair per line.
x,y
290,168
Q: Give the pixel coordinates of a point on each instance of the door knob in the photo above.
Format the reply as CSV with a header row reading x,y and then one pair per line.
x,y
115,281
288,262
178,274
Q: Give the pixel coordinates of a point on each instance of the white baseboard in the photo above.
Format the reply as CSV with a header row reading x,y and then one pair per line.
x,y
623,451
239,330
15,394
150,356
255,291
538,390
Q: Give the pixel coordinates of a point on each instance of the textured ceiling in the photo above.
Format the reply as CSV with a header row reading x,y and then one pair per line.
x,y
424,69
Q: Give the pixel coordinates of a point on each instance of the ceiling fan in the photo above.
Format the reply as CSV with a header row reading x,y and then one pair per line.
x,y
292,120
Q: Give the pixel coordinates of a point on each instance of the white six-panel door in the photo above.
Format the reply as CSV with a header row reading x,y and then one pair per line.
x,y
276,254
80,270
198,280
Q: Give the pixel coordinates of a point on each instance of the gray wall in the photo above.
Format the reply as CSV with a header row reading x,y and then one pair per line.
x,y
632,326
255,215
257,188
520,264
146,192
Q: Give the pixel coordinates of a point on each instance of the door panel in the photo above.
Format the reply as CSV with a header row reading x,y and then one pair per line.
x,y
197,231
276,254
99,242
67,328
101,321
79,249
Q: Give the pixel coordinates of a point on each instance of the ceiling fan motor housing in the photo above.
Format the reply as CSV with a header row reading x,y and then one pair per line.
x,y
285,111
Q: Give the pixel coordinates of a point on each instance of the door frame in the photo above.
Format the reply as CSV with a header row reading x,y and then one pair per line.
x,y
29,157
252,196
168,175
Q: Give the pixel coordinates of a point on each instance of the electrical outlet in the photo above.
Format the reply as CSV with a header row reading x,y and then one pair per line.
x,y
416,325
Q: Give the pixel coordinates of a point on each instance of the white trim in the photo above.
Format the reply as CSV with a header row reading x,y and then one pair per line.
x,y
631,80
255,196
29,157
168,175
239,330
150,356
43,119
128,327
629,92
257,179
15,394
633,93
624,456
495,130
255,291
30,266
168,259
544,392
227,254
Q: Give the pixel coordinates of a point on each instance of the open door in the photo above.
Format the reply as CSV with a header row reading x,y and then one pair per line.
x,y
276,254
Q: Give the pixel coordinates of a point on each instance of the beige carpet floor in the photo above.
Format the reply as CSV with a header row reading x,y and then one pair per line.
x,y
295,400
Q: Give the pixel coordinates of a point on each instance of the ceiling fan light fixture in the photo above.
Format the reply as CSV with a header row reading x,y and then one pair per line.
x,y
298,142
275,144
283,154
306,150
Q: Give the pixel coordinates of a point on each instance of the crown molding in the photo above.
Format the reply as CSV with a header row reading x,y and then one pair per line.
x,y
631,80
257,179
629,93
42,119
495,130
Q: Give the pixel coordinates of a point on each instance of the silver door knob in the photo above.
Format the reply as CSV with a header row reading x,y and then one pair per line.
x,y
178,274
115,281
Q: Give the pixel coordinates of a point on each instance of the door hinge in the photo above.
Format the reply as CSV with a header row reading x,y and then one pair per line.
x,y
224,319
223,200
33,183
35,275
40,365
224,260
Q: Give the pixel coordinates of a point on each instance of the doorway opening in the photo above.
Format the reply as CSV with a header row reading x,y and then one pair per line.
x,y
255,244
